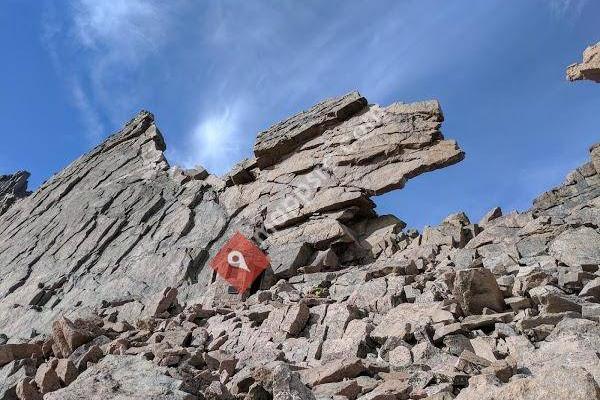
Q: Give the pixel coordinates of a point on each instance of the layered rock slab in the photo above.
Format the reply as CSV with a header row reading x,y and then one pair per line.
x,y
119,224
311,198
114,226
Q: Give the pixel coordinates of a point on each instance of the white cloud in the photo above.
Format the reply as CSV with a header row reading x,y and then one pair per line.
x,y
89,115
215,141
567,8
101,47
127,29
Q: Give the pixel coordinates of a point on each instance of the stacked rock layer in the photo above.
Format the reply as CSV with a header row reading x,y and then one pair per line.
x,y
106,290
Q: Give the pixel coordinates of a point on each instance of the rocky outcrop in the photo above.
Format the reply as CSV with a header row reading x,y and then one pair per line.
x,y
589,68
106,293
459,309
118,225
114,226
12,188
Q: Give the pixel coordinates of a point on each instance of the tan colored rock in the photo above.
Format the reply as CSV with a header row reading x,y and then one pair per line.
x,y
46,378
283,137
476,289
390,389
120,215
67,337
403,320
334,371
91,355
220,361
589,68
470,363
501,369
484,346
26,390
349,389
445,330
66,371
118,346
491,215
549,383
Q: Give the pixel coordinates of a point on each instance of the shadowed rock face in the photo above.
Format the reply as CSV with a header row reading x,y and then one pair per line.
x,y
118,224
12,188
589,68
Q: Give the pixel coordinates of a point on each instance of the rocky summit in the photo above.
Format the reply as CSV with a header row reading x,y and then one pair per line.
x,y
106,290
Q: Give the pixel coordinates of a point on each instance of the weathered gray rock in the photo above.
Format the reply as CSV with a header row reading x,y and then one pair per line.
x,y
577,247
12,188
592,288
548,384
122,377
13,373
287,135
95,231
288,386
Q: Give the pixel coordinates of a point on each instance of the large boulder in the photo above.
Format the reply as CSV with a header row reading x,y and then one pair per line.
x,y
577,247
549,383
122,377
476,289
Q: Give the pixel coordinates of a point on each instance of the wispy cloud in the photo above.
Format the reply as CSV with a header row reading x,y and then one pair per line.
x,y
125,28
215,141
100,47
89,115
570,9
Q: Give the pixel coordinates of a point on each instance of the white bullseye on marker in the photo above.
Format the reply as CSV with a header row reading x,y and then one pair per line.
x,y
236,260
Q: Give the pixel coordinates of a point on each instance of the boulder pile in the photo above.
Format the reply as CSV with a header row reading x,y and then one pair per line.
x,y
106,291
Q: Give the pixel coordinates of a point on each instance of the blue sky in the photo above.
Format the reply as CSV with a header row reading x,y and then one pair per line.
x,y
216,73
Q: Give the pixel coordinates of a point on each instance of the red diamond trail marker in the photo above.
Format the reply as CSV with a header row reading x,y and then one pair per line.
x,y
239,262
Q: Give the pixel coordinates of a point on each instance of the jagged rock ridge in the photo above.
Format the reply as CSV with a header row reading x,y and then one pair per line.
x,y
118,224
355,307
